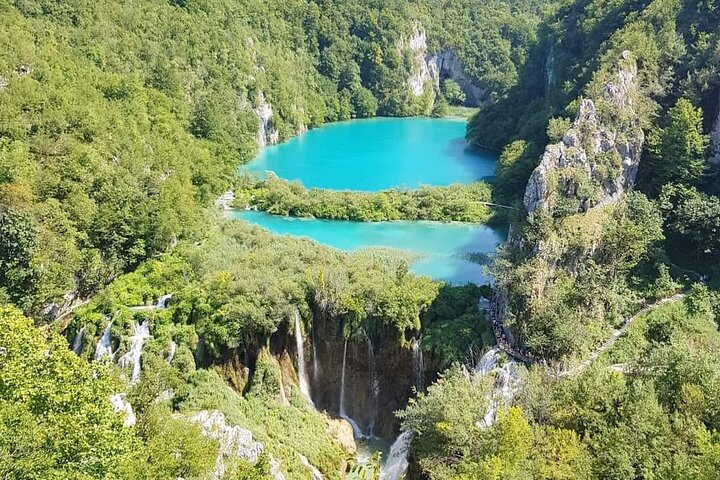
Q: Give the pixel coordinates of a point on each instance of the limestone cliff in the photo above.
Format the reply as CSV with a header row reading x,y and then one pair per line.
x,y
429,69
598,157
267,133
447,64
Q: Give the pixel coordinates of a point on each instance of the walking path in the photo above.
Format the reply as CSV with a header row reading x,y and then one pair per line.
x,y
497,315
617,334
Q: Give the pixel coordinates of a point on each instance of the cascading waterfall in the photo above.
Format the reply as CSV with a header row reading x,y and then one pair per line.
x,y
302,373
103,347
506,381
374,387
315,358
418,364
397,462
356,429
78,342
141,331
162,301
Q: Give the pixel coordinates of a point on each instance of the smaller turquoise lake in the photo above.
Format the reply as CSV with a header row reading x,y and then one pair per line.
x,y
444,246
378,154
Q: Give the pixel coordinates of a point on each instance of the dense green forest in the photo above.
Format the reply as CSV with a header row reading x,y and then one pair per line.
x,y
454,203
122,122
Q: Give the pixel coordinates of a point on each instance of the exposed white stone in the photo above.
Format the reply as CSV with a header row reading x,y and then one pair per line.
x,y
422,72
121,405
235,442
267,133
590,137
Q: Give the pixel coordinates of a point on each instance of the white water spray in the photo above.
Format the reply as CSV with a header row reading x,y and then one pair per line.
x,y
163,301
397,462
302,373
103,348
506,383
315,357
141,331
356,429
418,364
374,387
78,342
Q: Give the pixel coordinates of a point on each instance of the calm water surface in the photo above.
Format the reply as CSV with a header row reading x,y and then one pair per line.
x,y
378,154
443,246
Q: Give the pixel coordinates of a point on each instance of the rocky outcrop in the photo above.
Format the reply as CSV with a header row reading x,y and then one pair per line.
x,y
447,64
235,442
379,376
430,69
422,73
598,157
121,405
715,138
267,133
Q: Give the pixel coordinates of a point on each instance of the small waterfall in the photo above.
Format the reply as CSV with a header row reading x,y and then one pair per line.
x,y
397,462
163,301
171,351
302,373
418,364
103,347
356,429
374,387
315,357
78,342
506,381
141,331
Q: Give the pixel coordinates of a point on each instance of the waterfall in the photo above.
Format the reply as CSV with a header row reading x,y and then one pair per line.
x,y
397,461
418,364
141,331
302,373
315,357
171,351
103,347
78,342
374,387
505,385
356,429
163,301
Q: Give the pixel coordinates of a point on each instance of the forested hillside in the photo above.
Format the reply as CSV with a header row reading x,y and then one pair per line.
x,y
142,336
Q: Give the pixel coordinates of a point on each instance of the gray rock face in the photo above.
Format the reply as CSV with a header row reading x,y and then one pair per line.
x,y
446,64
715,139
267,133
421,73
431,68
605,151
235,442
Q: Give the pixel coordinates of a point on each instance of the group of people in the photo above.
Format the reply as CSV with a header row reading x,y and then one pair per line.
x,y
501,337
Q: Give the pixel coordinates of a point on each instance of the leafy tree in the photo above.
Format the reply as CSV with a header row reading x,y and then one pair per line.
x,y
452,92
676,153
56,419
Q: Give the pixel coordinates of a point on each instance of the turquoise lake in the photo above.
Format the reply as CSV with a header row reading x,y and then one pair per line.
x,y
377,154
